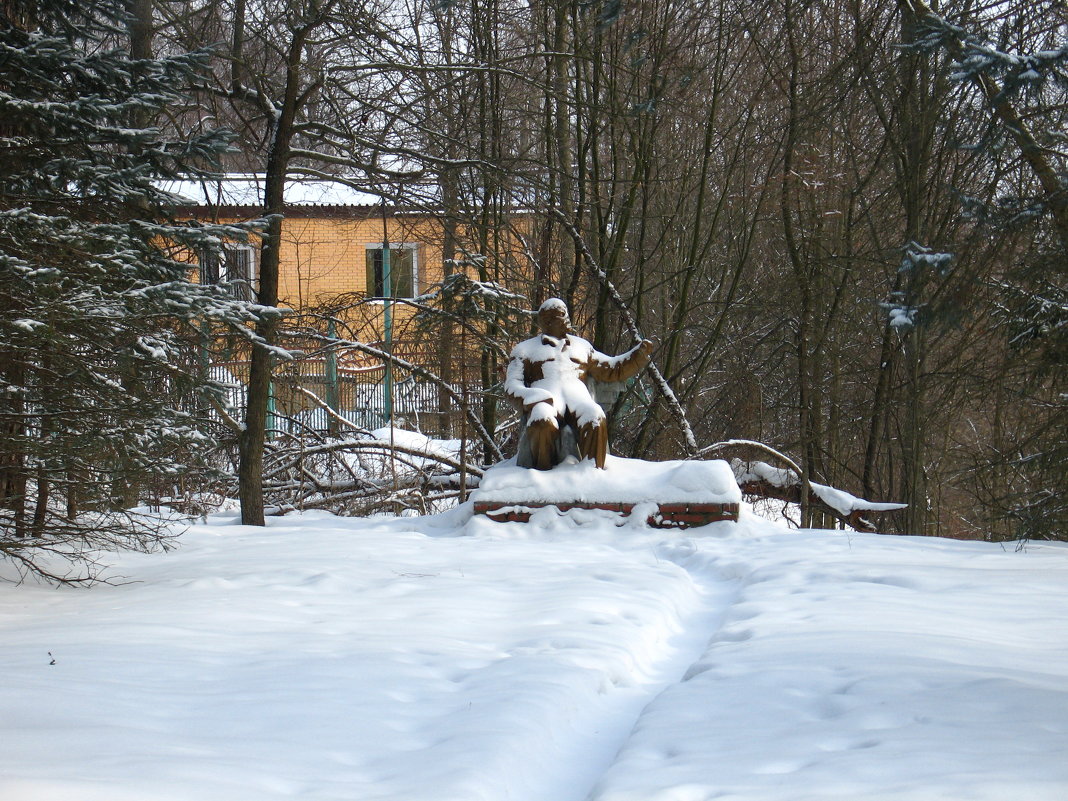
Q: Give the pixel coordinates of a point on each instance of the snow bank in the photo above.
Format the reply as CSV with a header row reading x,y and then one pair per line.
x,y
623,481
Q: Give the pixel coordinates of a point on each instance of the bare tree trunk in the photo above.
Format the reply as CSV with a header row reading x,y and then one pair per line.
x,y
13,434
450,196
802,273
126,482
141,28
40,511
916,130
253,437
879,410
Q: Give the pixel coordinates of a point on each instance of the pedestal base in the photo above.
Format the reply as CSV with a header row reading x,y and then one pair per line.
x,y
668,515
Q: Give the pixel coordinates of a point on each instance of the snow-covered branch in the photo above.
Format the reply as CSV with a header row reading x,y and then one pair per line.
x,y
763,480
632,326
422,372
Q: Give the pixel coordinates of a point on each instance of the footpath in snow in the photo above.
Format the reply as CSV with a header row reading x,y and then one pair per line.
x,y
451,658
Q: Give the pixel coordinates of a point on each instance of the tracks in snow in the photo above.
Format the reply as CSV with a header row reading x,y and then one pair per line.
x,y
599,732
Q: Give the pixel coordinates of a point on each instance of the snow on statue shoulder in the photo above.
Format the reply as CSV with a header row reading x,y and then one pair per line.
x,y
549,379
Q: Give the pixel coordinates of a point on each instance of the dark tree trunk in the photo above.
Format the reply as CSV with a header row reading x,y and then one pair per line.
x,y
250,468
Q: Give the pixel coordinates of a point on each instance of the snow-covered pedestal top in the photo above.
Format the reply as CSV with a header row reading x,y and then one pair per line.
x,y
623,481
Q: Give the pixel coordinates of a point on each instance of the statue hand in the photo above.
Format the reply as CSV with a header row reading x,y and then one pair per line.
x,y
547,397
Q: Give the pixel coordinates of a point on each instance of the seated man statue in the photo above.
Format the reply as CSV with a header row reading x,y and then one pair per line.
x,y
547,377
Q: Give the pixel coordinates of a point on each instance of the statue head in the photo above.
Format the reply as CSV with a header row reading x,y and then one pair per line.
x,y
553,318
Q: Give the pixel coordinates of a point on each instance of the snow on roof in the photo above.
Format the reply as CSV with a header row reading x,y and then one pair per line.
x,y
247,190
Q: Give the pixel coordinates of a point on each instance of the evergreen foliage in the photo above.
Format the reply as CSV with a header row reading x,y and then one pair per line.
x,y
100,383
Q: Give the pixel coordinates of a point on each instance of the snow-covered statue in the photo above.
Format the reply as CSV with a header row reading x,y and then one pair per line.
x,y
549,378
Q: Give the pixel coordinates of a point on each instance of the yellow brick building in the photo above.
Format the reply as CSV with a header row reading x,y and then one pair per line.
x,y
330,236
331,275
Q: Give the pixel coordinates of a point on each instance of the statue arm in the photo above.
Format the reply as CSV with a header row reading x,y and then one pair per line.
x,y
612,369
516,389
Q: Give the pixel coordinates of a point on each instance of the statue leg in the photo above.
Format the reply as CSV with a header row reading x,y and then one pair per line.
x,y
593,441
592,429
542,433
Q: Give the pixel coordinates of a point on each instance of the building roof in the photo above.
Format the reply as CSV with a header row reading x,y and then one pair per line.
x,y
246,190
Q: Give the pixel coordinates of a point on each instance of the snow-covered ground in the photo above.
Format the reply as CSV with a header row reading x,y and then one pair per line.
x,y
451,658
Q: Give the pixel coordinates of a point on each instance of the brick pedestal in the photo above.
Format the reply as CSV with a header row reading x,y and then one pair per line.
x,y
668,515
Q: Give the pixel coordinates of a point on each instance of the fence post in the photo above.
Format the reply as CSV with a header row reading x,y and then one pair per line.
x,y
331,380
204,363
271,419
387,292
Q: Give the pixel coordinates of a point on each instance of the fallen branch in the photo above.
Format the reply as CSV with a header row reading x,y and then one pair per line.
x,y
487,440
762,480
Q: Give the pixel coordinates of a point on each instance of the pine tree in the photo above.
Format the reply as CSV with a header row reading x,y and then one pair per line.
x,y
99,320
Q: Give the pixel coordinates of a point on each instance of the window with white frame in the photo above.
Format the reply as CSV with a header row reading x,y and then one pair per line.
x,y
403,271
234,267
